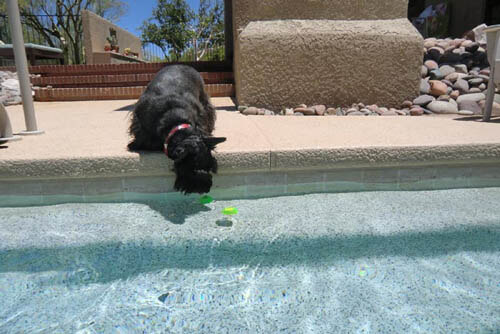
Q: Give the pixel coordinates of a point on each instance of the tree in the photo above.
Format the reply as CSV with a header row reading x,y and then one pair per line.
x,y
170,26
209,28
111,10
174,27
59,22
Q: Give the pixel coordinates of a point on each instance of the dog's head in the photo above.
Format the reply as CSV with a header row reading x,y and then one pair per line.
x,y
193,160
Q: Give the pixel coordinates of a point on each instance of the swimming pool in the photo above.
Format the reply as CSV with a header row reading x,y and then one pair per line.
x,y
362,262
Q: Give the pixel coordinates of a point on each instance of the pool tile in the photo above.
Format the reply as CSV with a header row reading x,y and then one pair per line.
x,y
305,182
105,198
105,190
343,186
100,186
23,200
305,188
61,199
63,187
344,175
419,178
229,193
149,184
228,186
228,181
453,177
344,180
252,184
19,193
381,179
267,184
258,179
143,197
266,191
485,176
20,188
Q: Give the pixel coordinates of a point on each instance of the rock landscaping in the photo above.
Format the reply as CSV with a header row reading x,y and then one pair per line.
x,y
455,74
9,88
10,92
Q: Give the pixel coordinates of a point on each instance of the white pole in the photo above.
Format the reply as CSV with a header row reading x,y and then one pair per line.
x,y
5,127
22,68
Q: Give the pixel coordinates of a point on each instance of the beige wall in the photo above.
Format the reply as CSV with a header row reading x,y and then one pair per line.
x,y
112,58
245,11
337,63
333,52
95,31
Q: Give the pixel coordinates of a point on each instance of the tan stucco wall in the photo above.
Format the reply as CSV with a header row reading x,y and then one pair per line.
x,y
245,11
285,63
112,58
95,31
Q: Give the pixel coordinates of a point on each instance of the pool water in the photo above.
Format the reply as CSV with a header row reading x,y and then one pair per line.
x,y
367,262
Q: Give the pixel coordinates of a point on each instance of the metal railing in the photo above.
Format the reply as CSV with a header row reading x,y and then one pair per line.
x,y
154,54
151,52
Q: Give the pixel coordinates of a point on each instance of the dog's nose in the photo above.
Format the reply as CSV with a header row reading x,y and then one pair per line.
x,y
179,153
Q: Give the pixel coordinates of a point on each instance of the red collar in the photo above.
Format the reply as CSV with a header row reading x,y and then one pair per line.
x,y
173,131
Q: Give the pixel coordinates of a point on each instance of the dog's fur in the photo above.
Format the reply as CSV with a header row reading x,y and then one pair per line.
x,y
176,96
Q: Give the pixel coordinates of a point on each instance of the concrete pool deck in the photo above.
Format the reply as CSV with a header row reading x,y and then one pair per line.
x,y
88,139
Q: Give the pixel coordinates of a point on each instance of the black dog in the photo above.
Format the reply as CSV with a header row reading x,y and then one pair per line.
x,y
174,115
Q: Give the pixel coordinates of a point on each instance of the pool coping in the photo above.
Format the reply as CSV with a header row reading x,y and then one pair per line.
x,y
89,141
352,170
155,164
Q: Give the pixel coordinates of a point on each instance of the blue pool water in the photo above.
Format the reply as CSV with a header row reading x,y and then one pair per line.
x,y
368,262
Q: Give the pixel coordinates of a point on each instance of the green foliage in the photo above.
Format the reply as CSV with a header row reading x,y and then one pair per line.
x,y
112,40
111,10
211,54
170,26
210,22
180,31
3,5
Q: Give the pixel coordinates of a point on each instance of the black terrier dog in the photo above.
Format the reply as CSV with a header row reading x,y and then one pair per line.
x,y
174,115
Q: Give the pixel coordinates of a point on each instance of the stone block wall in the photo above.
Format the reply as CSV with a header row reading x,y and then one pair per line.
x,y
246,11
332,52
328,62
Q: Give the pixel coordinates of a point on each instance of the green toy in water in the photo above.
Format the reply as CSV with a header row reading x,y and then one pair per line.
x,y
230,211
206,199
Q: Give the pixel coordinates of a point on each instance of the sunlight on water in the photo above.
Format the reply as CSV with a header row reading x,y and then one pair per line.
x,y
324,263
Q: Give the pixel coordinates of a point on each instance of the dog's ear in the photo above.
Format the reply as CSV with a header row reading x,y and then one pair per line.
x,y
211,142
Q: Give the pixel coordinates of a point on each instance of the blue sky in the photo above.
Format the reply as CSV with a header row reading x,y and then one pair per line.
x,y
140,10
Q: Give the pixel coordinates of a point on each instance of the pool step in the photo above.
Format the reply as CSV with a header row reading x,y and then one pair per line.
x,y
114,93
